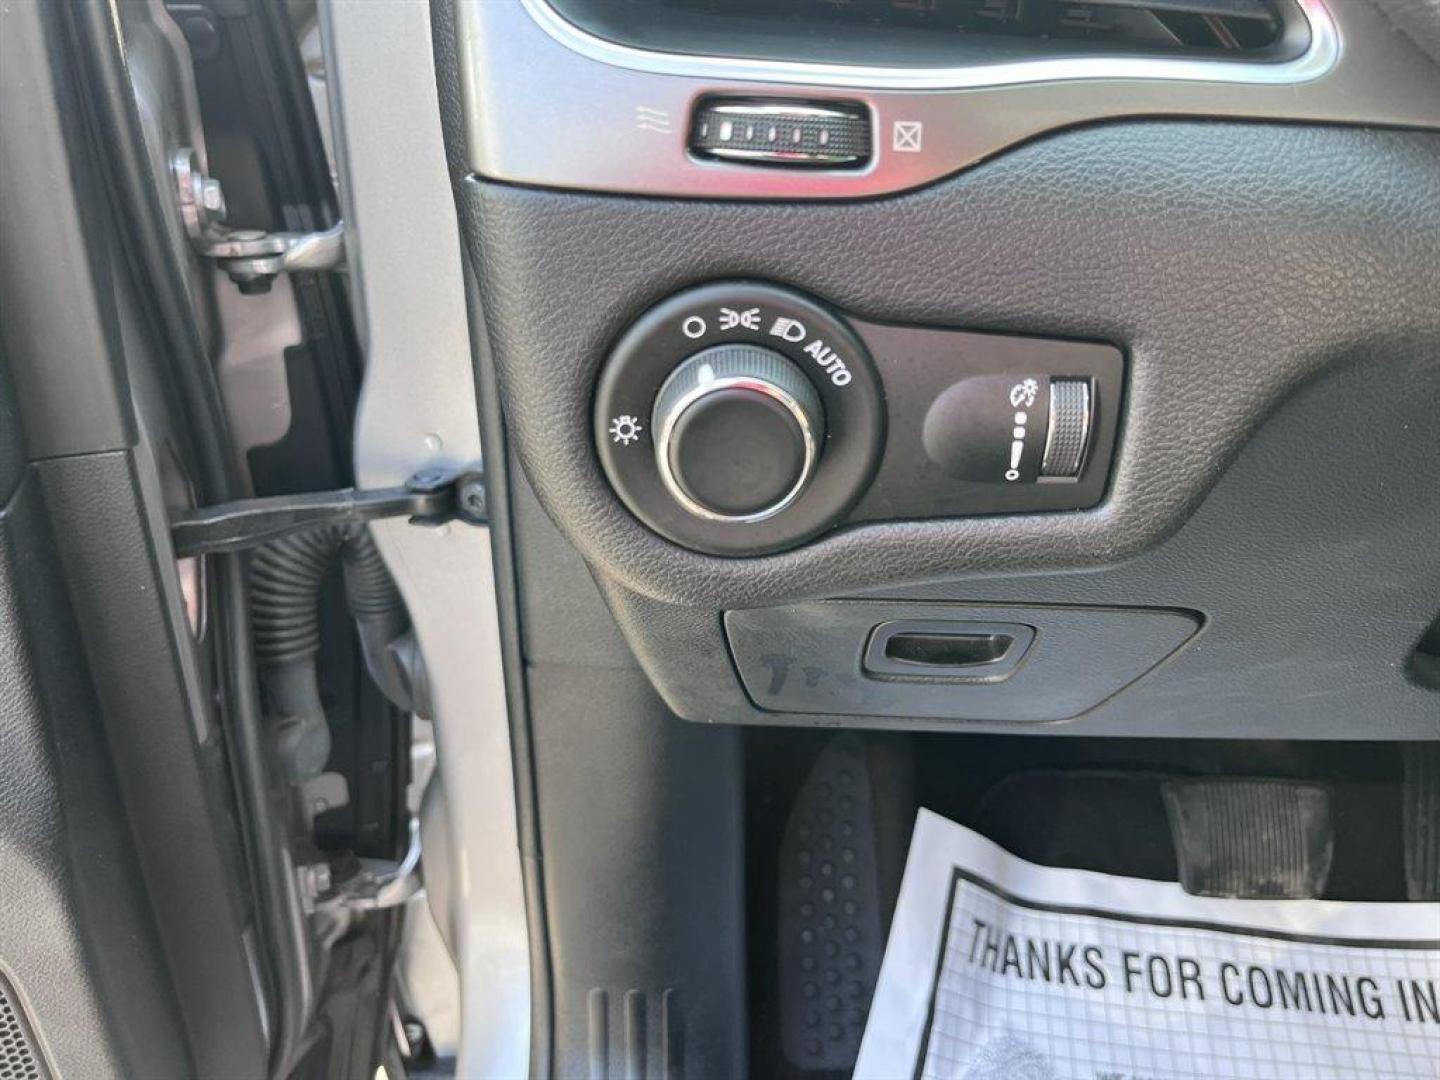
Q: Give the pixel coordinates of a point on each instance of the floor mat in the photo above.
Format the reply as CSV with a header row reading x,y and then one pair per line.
x,y
996,967
1109,821
1116,821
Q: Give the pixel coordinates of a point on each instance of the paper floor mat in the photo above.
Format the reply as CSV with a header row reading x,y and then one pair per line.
x,y
998,968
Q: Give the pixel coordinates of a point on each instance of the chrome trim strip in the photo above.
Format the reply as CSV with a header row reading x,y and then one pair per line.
x,y
741,382
539,113
1318,58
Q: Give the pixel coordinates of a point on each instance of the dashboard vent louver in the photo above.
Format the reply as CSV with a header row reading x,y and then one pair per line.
x,y
1223,25
1234,27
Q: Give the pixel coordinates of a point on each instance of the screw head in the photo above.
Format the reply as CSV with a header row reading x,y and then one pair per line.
x,y
473,498
212,197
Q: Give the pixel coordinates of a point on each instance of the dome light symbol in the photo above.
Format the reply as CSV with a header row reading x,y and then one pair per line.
x,y
1024,393
625,429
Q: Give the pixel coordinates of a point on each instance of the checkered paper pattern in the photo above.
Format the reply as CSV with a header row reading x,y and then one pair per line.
x,y
949,1008
1133,1032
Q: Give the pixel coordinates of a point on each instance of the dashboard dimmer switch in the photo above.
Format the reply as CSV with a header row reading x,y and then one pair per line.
x,y
777,132
1067,436
1015,429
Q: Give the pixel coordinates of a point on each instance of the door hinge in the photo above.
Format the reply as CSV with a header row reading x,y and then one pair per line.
x,y
251,257
430,497
375,884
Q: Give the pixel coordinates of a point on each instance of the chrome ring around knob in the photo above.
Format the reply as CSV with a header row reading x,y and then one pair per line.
x,y
737,367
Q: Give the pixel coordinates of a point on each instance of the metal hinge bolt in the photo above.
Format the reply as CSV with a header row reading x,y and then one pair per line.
x,y
251,257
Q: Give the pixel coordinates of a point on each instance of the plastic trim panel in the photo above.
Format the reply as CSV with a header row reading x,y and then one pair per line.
x,y
1238,264
614,119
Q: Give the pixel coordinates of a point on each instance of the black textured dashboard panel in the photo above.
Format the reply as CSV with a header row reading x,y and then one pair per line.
x,y
1235,262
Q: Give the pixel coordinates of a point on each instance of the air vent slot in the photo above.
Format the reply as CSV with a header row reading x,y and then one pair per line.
x,y
1220,25
948,33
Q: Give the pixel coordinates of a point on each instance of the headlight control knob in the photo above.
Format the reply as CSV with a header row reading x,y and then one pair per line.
x,y
738,431
739,418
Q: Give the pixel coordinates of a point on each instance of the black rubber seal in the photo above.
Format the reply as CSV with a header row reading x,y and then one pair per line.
x,y
113,114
